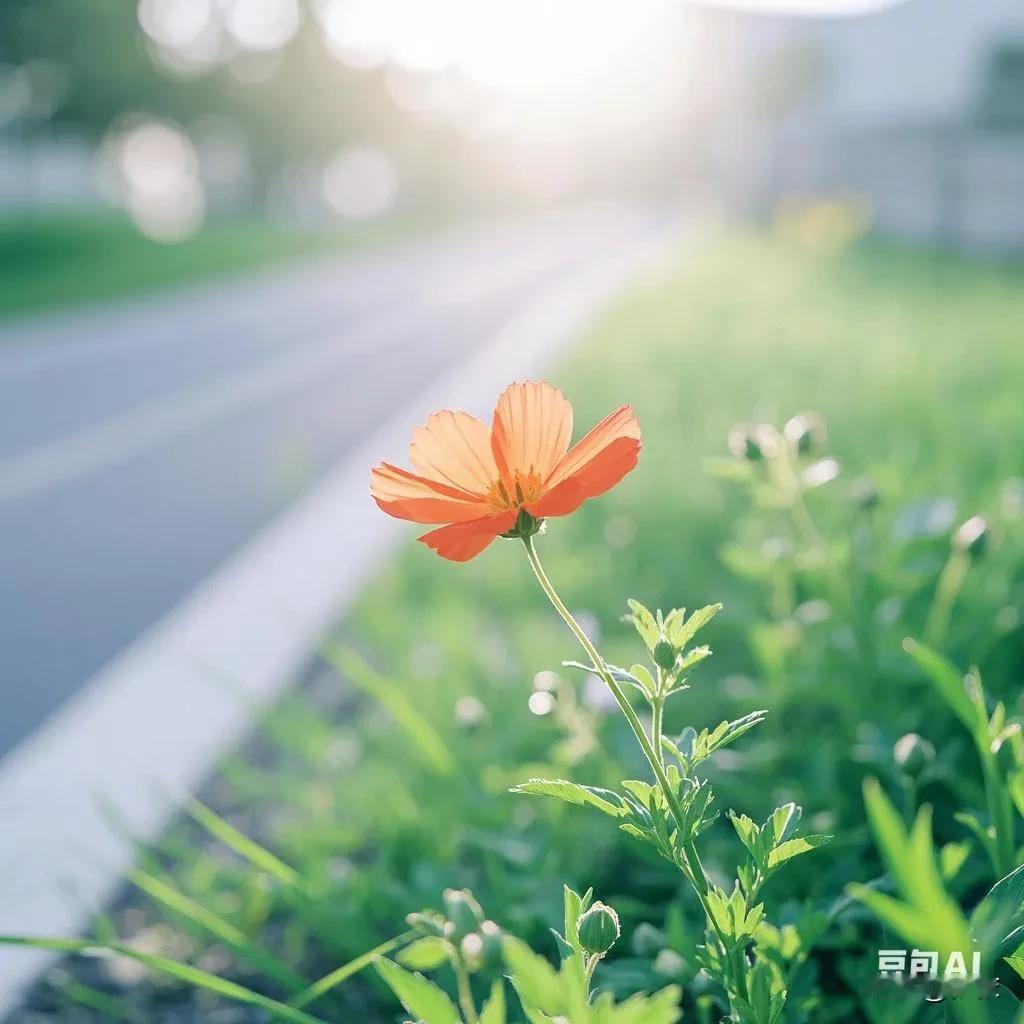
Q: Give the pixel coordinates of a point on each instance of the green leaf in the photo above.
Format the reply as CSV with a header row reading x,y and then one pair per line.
x,y
749,834
793,848
1000,914
693,657
575,907
494,1009
536,981
889,832
420,996
902,918
702,745
643,679
947,680
684,632
173,969
783,822
1017,963
645,623
572,793
952,858
393,698
424,954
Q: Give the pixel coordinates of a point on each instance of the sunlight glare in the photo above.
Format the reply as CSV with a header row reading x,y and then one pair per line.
x,y
528,47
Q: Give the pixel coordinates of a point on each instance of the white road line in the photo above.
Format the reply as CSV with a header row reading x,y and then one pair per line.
x,y
162,419
152,723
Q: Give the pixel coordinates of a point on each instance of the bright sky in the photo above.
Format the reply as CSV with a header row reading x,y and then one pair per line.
x,y
831,8
525,46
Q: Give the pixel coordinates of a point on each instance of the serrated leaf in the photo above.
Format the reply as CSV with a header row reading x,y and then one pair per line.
x,y
643,679
619,674
749,835
417,994
604,800
535,980
793,848
693,657
645,623
783,821
685,631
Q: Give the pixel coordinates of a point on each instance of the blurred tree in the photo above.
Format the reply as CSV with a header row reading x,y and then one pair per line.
x,y
1001,101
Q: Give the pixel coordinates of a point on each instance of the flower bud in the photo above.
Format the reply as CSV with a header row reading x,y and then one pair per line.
x,y
970,537
913,753
463,912
664,655
744,444
471,949
805,432
599,929
428,922
493,940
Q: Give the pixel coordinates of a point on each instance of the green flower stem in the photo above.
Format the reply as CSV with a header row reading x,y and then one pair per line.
x,y
692,867
950,581
465,991
696,870
653,759
657,717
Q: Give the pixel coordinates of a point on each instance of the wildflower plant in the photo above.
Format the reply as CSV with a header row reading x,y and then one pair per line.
x,y
505,482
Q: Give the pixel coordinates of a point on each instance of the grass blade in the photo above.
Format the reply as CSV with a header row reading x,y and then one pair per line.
x,y
224,931
340,974
172,968
395,701
245,847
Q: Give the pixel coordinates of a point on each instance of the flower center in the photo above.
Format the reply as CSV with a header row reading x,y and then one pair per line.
x,y
525,488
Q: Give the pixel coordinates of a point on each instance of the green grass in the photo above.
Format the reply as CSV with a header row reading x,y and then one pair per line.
x,y
915,361
55,260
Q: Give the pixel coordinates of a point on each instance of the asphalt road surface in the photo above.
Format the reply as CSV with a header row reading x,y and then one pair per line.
x,y
143,444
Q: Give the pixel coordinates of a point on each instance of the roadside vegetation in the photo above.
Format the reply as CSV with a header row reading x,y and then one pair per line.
x,y
52,261
867,556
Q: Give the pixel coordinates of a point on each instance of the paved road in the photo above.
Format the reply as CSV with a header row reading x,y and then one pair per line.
x,y
140,446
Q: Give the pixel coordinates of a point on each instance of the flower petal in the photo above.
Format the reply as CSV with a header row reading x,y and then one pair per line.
x,y
455,447
405,495
595,464
462,541
531,431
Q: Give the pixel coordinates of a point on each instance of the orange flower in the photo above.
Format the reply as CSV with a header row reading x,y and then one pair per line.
x,y
477,479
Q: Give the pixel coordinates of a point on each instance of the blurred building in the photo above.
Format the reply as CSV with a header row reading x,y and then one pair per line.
x,y
916,110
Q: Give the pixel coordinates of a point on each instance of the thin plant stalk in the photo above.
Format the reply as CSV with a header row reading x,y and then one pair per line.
x,y
951,579
694,871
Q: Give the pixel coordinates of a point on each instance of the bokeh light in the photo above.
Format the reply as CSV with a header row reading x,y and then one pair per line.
x,y
155,172
360,181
